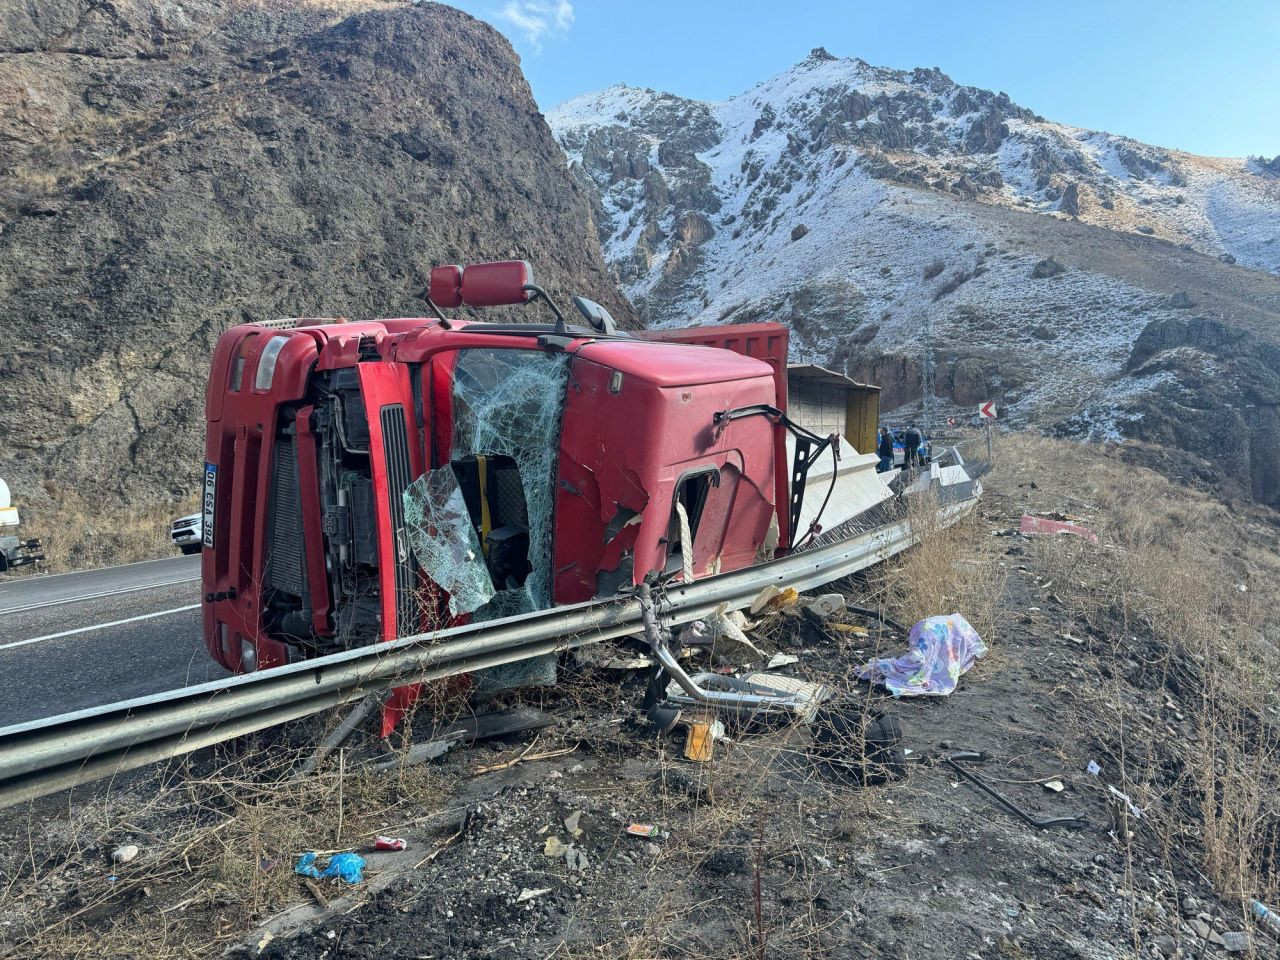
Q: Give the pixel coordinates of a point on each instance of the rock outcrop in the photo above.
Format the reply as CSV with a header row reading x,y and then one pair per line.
x,y
168,169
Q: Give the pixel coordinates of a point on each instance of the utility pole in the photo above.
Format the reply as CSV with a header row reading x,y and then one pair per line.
x,y
927,400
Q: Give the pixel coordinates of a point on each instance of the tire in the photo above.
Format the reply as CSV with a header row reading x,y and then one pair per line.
x,y
190,548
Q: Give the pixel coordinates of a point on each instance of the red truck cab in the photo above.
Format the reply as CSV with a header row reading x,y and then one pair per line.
x,y
369,480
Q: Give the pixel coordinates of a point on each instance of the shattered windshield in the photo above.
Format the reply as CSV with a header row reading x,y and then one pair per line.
x,y
481,526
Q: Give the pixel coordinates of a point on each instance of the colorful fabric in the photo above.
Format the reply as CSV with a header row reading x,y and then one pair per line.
x,y
940,650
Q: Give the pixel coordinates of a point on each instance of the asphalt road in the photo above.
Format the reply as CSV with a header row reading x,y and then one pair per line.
x,y
78,640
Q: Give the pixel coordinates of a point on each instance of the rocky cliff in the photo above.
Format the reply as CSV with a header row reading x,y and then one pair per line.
x,y
171,167
890,216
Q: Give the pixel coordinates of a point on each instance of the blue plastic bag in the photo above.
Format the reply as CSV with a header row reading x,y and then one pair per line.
x,y
348,866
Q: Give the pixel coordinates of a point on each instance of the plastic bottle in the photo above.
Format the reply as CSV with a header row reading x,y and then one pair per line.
x,y
1266,916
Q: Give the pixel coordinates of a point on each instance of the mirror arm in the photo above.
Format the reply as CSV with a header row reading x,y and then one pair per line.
x,y
540,294
444,321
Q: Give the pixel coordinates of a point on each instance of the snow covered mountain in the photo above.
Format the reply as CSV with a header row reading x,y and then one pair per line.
x,y
1091,284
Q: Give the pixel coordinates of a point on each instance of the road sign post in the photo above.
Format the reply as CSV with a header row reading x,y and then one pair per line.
x,y
987,413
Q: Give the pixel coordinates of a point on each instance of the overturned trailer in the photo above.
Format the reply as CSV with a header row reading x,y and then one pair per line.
x,y
377,479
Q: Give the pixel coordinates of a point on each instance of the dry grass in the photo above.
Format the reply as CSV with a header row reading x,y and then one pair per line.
x,y
79,535
1185,590
217,856
953,569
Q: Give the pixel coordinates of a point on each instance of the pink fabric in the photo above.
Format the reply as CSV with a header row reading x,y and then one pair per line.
x,y
1032,526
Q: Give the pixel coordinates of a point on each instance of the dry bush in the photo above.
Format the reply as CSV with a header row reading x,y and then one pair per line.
x,y
77,534
952,569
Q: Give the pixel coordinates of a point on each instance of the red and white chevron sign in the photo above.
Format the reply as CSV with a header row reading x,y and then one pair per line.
x,y
987,411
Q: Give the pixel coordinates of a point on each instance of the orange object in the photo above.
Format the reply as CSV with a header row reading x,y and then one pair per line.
x,y
697,745
786,598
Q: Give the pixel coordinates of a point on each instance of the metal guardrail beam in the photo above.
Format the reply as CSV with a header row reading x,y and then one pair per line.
x,y
44,756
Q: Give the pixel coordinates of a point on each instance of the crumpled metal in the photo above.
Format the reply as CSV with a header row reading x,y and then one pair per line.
x,y
940,650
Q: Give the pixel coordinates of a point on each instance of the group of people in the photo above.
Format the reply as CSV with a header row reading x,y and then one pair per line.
x,y
911,441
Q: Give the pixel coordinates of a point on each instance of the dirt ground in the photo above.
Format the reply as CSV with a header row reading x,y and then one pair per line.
x,y
763,852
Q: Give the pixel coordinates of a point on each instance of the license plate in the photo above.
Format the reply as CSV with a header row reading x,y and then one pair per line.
x,y
210,499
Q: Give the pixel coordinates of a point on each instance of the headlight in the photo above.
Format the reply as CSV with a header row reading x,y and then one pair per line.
x,y
267,363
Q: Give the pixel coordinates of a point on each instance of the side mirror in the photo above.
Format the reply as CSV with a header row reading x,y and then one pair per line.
x,y
445,289
596,315
496,284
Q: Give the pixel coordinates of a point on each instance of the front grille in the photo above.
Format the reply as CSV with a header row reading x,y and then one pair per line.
x,y
284,568
395,447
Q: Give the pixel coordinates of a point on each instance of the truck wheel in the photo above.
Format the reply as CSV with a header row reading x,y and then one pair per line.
x,y
4,562
190,548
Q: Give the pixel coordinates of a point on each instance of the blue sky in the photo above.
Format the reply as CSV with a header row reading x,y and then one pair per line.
x,y
1203,77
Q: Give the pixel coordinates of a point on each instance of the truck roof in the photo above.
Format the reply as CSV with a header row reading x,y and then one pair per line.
x,y
673,365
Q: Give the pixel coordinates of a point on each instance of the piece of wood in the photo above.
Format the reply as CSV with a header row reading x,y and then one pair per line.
x,y
316,892
491,768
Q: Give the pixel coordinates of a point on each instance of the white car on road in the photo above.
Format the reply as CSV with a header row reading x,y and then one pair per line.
x,y
187,532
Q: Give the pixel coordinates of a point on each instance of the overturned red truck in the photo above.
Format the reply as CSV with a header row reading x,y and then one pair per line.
x,y
371,480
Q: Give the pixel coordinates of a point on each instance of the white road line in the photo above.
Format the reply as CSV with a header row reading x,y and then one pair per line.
x,y
97,596
98,626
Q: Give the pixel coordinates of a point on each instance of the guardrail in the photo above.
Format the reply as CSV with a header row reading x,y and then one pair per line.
x,y
44,756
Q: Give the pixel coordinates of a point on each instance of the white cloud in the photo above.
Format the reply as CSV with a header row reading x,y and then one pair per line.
x,y
538,19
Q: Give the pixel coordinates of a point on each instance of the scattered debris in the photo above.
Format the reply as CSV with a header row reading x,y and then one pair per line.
x,y
956,759
1093,768
389,843
557,849
1057,786
314,889
751,693
827,605
663,718
124,854
420,753
781,660
850,629
627,663
526,894
761,602
729,641
493,767
860,741
1134,810
787,597
1266,916
483,726
1042,526
571,824
940,650
348,866
1237,942
643,830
